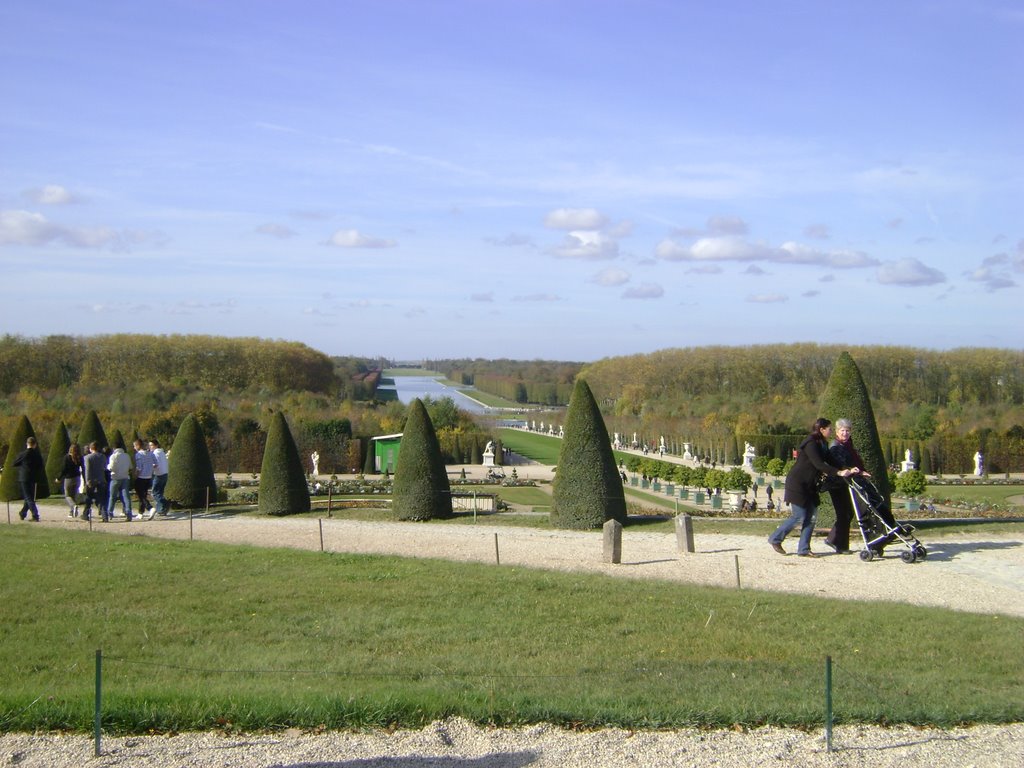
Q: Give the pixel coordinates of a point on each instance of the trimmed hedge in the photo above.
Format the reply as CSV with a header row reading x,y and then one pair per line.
x,y
190,471
421,490
92,431
587,490
10,490
58,450
283,489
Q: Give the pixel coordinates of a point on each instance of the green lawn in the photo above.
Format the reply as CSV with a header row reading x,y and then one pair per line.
x,y
199,635
540,448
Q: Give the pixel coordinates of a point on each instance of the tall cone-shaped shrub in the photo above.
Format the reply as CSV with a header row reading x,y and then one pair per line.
x,y
10,490
117,441
190,471
846,397
58,450
421,490
587,490
92,432
283,489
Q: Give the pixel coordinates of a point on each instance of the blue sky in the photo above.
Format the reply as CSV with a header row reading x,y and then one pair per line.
x,y
561,180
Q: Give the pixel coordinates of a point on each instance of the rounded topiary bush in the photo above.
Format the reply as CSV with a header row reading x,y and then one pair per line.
x,y
421,490
283,489
190,471
92,432
587,490
10,489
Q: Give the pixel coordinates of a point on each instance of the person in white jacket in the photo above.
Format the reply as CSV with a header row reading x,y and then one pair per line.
x,y
120,467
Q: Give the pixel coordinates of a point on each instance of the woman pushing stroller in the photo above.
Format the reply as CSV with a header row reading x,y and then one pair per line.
x,y
812,461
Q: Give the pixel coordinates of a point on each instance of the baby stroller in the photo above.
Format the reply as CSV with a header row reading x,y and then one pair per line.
x,y
878,527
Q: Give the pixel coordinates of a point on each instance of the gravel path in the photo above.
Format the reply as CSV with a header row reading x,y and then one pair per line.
x,y
982,574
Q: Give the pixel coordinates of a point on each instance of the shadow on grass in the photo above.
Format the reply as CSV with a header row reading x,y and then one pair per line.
x,y
495,760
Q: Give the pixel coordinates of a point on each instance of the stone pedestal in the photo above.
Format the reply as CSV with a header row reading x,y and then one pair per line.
x,y
612,541
684,533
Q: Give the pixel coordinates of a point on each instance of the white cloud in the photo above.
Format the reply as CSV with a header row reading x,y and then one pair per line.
x,y
766,298
611,277
276,230
645,291
51,194
587,245
910,272
716,249
34,229
575,218
353,238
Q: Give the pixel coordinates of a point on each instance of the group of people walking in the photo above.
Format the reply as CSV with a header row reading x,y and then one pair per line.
x,y
101,480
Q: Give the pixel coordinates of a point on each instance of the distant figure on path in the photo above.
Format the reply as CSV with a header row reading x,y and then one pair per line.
x,y
29,462
159,477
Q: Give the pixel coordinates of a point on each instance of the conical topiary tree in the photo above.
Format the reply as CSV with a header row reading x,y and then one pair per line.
x,y
587,490
190,471
117,441
10,490
421,490
846,397
369,463
58,450
92,432
283,489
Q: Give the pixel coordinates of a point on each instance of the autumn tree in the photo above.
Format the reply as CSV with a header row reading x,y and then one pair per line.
x,y
587,490
283,489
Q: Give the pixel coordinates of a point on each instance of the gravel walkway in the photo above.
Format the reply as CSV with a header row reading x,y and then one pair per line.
x,y
969,573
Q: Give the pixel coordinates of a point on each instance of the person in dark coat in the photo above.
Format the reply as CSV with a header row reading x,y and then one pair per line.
x,y
842,454
812,461
29,463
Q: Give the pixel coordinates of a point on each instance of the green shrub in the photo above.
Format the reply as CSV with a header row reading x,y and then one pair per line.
x,y
58,450
10,489
846,396
92,432
190,471
421,489
283,489
587,490
911,483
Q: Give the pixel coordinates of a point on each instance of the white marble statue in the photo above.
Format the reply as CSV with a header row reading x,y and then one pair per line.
x,y
979,468
315,457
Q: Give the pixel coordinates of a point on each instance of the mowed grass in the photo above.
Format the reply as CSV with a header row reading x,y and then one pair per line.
x,y
199,636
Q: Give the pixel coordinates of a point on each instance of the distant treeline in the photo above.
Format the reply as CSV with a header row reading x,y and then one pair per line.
x,y
539,382
970,376
208,362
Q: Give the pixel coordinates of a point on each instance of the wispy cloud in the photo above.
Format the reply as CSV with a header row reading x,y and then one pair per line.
x,y
766,298
645,291
575,218
34,229
276,230
721,249
512,240
537,297
909,272
51,194
587,246
353,238
611,278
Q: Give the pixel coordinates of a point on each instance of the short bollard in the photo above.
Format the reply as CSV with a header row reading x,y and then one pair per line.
x,y
613,541
684,533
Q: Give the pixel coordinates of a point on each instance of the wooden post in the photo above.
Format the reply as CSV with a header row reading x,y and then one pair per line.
x,y
497,554
321,521
684,533
612,541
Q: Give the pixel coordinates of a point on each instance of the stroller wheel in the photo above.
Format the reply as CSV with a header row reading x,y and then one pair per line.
x,y
908,556
866,555
921,552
